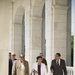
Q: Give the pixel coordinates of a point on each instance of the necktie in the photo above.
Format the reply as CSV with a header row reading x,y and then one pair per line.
x,y
57,63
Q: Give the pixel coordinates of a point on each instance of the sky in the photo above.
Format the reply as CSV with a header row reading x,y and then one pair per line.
x,y
72,20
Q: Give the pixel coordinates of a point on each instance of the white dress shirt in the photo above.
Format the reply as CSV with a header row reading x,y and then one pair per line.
x,y
22,69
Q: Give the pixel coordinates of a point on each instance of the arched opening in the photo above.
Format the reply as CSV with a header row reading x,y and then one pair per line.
x,y
19,32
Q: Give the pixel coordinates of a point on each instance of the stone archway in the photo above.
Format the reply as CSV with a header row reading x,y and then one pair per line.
x,y
18,30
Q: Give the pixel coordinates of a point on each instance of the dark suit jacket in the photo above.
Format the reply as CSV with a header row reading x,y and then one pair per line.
x,y
58,70
10,67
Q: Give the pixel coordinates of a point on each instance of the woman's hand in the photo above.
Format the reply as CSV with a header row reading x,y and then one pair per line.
x,y
35,72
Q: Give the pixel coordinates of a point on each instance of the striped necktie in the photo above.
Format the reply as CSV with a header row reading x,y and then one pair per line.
x,y
57,63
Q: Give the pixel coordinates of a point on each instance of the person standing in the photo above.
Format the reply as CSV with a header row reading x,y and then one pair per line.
x,y
58,65
10,64
44,61
21,66
38,67
11,60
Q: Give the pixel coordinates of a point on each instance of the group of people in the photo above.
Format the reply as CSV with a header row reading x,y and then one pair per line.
x,y
21,66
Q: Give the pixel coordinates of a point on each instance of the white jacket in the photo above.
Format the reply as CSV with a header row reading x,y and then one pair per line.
x,y
43,68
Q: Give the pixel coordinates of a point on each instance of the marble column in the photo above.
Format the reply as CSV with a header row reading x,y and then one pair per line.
x,y
48,24
36,37
28,38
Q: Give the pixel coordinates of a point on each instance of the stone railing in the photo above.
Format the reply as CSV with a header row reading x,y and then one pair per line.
x,y
70,70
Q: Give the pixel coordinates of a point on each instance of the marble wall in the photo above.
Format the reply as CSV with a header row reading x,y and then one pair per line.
x,y
4,36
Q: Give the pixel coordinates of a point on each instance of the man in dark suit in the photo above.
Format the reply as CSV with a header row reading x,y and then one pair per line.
x,y
11,60
58,65
10,67
10,64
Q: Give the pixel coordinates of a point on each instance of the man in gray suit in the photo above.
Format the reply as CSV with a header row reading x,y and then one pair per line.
x,y
58,65
20,67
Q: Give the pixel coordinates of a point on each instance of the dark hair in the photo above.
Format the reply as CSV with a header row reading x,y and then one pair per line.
x,y
58,54
38,57
9,53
